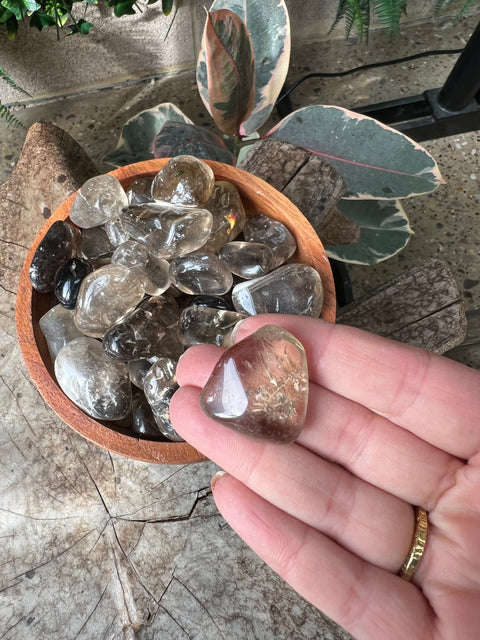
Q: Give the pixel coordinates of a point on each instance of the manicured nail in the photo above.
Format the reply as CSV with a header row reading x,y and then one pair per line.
x,y
216,478
235,331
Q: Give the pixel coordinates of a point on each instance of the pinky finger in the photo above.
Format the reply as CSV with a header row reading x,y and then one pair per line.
x,y
368,602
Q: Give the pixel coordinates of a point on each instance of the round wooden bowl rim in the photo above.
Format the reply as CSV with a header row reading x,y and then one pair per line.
x,y
99,434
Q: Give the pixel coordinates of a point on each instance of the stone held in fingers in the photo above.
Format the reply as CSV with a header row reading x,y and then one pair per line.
x,y
259,387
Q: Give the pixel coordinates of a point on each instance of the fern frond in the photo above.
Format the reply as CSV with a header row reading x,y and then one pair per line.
x,y
10,119
354,12
389,13
6,77
442,5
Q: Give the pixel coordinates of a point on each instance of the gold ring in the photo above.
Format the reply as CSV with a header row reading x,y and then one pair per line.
x,y
418,545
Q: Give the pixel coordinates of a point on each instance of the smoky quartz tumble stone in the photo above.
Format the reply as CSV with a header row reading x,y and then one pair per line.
x,y
69,279
58,245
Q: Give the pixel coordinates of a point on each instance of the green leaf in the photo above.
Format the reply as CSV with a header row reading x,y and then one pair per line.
x,y
6,77
167,6
10,119
178,138
230,71
12,27
139,133
81,26
389,13
269,28
384,231
41,20
354,12
374,160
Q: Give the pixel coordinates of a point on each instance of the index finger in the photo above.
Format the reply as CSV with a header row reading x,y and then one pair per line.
x,y
429,395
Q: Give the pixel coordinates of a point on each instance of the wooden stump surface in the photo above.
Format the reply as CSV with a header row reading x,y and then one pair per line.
x,y
95,545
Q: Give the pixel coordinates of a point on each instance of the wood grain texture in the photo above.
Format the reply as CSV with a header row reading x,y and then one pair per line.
x,y
313,185
257,197
422,307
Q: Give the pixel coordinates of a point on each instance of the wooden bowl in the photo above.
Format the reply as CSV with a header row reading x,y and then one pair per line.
x,y
257,196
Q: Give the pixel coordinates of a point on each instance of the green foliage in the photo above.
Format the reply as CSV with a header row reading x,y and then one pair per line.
x,y
442,5
60,13
378,164
357,13
5,112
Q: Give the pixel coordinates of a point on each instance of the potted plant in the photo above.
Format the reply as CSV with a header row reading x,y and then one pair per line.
x,y
242,66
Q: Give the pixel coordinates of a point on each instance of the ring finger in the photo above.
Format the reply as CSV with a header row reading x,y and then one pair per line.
x,y
364,519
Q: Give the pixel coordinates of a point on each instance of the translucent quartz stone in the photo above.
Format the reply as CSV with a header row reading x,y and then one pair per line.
x,y
141,220
138,368
58,327
181,232
58,245
68,280
184,180
216,302
259,387
201,273
199,324
171,345
261,228
97,384
131,254
140,333
159,386
116,232
155,275
143,420
106,296
100,199
226,207
293,288
247,259
95,244
140,191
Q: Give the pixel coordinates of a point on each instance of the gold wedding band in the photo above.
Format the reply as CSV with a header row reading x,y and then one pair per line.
x,y
418,545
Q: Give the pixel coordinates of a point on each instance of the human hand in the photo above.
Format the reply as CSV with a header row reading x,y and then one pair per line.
x,y
388,426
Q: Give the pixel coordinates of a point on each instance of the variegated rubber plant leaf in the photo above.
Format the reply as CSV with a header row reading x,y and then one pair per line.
x,y
136,142
269,27
375,161
178,138
230,70
384,231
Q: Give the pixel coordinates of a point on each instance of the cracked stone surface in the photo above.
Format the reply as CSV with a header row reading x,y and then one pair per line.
x,y
94,545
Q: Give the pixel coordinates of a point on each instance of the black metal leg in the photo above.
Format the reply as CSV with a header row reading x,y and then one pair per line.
x,y
463,83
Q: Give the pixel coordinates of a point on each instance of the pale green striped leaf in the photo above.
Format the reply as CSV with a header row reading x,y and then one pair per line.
x,y
136,142
384,231
374,160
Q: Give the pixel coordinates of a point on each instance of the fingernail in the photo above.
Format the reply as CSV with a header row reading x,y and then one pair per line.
x,y
216,478
234,331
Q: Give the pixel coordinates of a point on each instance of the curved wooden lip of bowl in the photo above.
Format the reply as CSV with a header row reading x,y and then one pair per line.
x,y
257,196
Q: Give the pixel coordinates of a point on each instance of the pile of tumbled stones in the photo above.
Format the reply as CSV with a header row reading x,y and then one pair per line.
x,y
140,274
